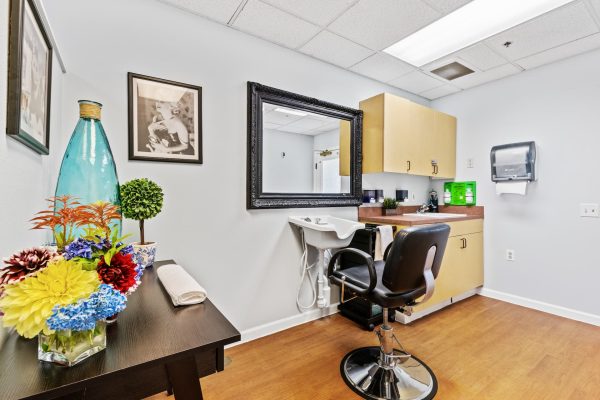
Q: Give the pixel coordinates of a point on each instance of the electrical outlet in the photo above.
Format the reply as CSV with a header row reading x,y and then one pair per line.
x,y
589,210
510,255
470,163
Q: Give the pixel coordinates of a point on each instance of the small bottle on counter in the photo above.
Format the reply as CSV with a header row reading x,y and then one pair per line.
x,y
469,196
447,196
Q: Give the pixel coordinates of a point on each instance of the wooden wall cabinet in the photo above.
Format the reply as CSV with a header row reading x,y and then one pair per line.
x,y
404,137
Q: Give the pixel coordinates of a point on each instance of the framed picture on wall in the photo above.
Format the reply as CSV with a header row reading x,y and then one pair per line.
x,y
165,120
29,77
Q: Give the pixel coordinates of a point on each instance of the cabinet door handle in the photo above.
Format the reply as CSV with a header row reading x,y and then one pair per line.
x,y
464,243
408,166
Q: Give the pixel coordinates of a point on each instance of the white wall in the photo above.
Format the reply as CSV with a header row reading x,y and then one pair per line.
x,y
557,252
327,141
292,173
247,260
418,186
24,174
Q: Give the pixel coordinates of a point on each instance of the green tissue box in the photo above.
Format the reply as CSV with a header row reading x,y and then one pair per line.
x,y
460,193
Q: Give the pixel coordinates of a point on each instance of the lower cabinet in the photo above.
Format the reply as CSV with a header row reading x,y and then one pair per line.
x,y
462,267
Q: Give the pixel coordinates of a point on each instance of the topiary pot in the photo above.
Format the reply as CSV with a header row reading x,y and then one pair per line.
x,y
390,211
144,254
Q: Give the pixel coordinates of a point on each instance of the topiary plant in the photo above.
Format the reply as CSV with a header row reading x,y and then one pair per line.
x,y
389,203
141,199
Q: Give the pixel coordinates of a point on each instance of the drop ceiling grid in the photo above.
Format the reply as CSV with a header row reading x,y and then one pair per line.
x,y
216,10
335,49
351,34
568,23
570,49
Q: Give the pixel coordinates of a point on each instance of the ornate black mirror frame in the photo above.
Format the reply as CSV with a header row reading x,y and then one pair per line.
x,y
256,198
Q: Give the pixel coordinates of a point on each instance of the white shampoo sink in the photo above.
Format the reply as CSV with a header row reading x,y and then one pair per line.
x,y
436,215
326,232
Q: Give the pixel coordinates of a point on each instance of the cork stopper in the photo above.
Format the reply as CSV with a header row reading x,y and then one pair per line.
x,y
89,109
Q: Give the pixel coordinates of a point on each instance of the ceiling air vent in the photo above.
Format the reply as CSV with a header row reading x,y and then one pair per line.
x,y
452,71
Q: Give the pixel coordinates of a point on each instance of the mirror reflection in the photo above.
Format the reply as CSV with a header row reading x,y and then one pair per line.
x,y
304,152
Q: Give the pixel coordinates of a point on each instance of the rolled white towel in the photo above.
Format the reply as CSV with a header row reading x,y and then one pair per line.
x,y
183,289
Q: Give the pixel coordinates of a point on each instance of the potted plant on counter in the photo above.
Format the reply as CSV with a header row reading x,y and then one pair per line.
x,y
389,206
142,199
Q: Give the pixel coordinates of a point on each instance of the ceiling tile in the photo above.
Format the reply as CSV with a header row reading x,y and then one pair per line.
x,y
479,78
335,49
302,125
439,92
377,24
280,118
277,26
557,27
217,10
382,67
481,56
558,53
416,82
316,11
446,6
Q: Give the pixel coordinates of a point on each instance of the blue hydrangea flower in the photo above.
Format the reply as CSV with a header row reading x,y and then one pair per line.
x,y
126,250
82,316
84,248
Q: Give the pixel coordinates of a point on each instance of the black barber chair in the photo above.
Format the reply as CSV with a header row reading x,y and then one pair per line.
x,y
411,264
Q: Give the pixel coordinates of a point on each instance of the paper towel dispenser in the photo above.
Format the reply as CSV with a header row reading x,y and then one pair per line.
x,y
513,162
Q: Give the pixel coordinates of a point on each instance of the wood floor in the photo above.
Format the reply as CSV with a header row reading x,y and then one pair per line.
x,y
479,349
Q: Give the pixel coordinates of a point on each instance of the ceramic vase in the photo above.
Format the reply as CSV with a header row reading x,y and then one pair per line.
x,y
144,254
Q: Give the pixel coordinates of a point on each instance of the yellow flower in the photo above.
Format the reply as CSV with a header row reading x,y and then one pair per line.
x,y
28,304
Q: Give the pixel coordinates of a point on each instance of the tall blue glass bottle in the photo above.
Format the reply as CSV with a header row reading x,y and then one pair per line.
x,y
88,170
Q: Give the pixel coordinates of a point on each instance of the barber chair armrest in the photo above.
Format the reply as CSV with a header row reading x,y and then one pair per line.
x,y
370,265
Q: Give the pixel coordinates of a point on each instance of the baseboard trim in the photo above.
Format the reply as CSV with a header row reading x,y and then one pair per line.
x,y
280,325
544,307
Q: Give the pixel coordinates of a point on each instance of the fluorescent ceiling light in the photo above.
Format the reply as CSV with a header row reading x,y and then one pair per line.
x,y
292,112
476,21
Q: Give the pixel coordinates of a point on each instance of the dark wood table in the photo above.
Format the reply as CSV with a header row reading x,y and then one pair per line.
x,y
153,347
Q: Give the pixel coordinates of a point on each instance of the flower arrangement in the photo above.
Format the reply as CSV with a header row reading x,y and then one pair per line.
x,y
65,297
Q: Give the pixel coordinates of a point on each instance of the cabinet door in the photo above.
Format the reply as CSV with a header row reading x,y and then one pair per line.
x,y
443,145
401,146
421,129
372,134
467,262
344,148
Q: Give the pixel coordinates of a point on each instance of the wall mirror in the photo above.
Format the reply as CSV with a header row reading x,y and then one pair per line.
x,y
302,152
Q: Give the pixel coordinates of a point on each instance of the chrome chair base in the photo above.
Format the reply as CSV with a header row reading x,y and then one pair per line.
x,y
372,375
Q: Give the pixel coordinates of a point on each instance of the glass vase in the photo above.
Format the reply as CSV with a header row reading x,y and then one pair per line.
x,y
68,347
88,171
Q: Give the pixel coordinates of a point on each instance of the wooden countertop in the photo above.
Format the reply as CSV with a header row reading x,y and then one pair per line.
x,y
410,220
373,214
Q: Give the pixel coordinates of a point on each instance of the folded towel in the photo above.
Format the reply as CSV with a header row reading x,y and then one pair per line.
x,y
183,289
383,238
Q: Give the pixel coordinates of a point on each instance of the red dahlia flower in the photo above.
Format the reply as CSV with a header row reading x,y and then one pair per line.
x,y
120,274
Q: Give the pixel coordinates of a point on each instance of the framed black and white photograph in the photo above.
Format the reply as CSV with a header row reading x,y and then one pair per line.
x,y
165,120
29,77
